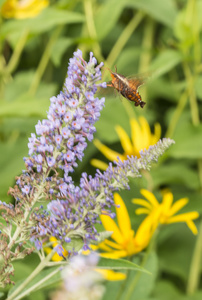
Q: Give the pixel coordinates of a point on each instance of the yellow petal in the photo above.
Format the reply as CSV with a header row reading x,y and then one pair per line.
x,y
122,216
57,257
99,164
136,135
54,241
192,227
157,133
112,244
110,225
186,217
178,205
23,9
150,197
107,152
142,211
167,202
125,140
111,275
145,232
47,250
146,133
142,202
115,254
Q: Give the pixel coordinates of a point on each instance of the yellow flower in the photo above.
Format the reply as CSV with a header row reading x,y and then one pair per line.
x,y
126,242
111,275
165,212
55,257
141,138
22,9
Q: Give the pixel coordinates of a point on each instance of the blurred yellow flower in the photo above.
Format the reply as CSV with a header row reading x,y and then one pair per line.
x,y
22,9
141,138
126,242
111,275
165,212
55,257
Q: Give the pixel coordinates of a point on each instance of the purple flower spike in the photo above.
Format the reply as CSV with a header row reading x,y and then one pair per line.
x,y
54,151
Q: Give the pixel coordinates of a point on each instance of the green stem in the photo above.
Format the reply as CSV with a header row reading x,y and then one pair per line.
x,y
44,61
192,95
123,286
124,37
88,8
38,269
144,261
17,53
37,285
195,269
176,115
147,42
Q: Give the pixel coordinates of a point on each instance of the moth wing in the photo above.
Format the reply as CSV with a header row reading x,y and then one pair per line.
x,y
137,80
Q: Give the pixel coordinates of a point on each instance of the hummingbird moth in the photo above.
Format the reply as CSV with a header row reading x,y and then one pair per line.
x,y
127,87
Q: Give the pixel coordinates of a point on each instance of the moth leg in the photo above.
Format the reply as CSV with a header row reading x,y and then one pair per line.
x,y
115,67
109,83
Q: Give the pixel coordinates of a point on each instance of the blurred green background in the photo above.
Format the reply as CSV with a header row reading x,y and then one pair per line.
x,y
158,37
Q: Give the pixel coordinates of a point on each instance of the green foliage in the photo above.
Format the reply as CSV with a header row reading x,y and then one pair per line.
x,y
155,37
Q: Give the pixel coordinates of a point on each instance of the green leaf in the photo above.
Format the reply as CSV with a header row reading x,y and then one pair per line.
x,y
105,20
188,142
198,87
11,162
119,264
177,173
143,283
165,290
24,107
185,25
48,19
162,11
76,244
18,103
111,117
172,250
59,48
102,236
165,62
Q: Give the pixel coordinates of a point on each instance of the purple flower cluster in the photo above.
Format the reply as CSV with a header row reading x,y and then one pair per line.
x,y
54,150
61,138
95,196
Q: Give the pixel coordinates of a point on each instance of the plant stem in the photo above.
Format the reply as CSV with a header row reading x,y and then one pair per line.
x,y
177,113
38,269
147,42
144,261
44,61
16,54
194,275
124,37
192,95
88,8
195,268
37,285
19,228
